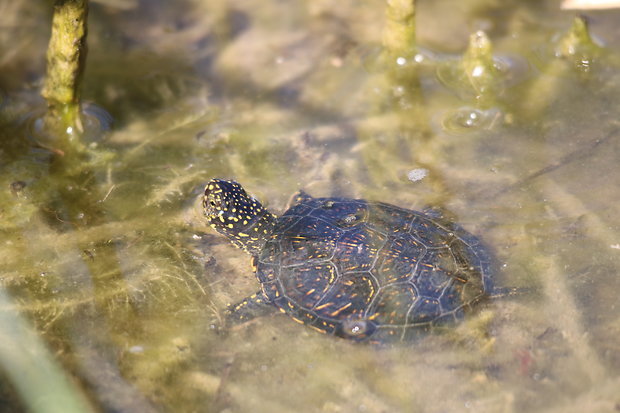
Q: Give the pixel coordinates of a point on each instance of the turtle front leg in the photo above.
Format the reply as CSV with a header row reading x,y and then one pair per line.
x,y
256,305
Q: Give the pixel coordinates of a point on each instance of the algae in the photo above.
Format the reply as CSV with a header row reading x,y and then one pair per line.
x,y
105,253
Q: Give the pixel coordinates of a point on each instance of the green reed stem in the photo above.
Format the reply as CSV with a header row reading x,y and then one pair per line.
x,y
66,57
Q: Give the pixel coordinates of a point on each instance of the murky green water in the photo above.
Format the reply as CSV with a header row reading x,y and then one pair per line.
x,y
124,286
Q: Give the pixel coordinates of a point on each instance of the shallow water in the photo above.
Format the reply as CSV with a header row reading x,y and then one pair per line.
x,y
116,271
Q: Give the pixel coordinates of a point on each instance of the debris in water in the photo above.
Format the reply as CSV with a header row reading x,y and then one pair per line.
x,y
417,174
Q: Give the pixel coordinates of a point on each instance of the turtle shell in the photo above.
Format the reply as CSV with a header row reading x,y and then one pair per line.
x,y
361,269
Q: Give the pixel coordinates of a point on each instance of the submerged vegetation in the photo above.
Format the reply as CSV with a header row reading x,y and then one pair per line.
x,y
106,261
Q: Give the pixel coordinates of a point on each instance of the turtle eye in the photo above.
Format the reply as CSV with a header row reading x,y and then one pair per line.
x,y
218,204
213,203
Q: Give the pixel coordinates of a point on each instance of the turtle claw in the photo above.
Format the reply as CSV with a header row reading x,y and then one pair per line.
x,y
256,305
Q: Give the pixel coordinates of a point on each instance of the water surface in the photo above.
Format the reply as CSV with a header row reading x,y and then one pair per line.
x,y
115,269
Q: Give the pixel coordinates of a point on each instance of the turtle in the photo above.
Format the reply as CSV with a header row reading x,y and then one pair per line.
x,y
357,269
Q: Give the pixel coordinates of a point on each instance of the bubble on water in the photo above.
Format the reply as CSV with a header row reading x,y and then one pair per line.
x,y
94,123
508,71
96,120
468,119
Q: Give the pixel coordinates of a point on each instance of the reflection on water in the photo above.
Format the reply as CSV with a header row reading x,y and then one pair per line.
x,y
114,266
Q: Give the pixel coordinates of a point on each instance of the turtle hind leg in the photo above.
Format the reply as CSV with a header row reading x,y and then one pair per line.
x,y
256,305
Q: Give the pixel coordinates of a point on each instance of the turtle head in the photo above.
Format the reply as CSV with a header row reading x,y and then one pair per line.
x,y
232,212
